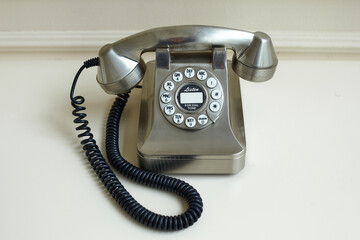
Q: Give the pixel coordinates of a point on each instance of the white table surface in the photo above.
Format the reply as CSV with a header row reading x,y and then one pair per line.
x,y
301,179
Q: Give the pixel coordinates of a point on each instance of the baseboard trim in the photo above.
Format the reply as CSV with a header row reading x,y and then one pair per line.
x,y
78,41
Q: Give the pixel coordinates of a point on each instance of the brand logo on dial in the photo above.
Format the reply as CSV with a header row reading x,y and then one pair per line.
x,y
191,89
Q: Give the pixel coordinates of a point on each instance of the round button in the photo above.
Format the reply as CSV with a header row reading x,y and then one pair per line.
x,y
201,75
211,82
189,72
178,118
214,106
216,94
169,109
166,97
190,122
177,76
203,119
169,85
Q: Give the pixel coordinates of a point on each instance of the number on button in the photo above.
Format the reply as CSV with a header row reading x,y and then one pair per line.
x,y
203,119
177,76
165,97
201,74
190,122
169,85
178,118
211,82
169,109
189,72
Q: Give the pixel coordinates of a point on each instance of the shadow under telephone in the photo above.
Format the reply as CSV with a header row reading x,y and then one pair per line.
x,y
191,118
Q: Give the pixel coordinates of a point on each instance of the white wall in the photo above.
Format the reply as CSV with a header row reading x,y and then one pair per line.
x,y
282,15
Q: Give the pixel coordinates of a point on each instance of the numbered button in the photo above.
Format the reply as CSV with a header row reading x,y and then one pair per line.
x,y
216,94
169,110
189,72
211,82
178,118
214,106
201,75
166,97
203,119
169,85
190,122
177,76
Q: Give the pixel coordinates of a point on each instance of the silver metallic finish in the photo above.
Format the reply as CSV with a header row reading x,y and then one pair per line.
x,y
217,149
219,58
163,58
122,68
258,62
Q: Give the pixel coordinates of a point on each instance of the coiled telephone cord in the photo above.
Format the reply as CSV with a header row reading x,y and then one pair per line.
x,y
112,183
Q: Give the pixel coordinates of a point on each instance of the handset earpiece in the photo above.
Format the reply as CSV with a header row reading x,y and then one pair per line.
x,y
258,62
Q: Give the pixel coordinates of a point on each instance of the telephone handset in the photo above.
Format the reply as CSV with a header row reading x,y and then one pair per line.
x,y
122,68
191,117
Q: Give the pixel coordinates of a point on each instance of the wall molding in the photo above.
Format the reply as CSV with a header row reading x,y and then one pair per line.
x,y
78,41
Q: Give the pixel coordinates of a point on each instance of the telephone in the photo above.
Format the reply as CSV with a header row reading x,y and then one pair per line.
x,y
191,118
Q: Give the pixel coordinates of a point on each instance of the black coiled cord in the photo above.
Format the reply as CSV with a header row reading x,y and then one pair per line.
x,y
112,183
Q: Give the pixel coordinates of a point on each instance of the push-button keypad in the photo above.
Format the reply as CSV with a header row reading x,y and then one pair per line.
x,y
191,98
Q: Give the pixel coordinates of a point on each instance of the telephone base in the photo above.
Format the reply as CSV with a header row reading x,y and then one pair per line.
x,y
193,164
217,147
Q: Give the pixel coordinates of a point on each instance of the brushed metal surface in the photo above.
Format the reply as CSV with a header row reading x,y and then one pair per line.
x,y
122,68
216,149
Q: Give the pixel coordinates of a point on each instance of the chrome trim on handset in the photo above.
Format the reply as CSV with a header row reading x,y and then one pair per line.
x,y
122,68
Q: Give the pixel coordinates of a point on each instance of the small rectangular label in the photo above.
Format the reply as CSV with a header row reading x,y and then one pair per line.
x,y
196,97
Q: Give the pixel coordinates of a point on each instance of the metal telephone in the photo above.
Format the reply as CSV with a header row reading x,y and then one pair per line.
x,y
191,118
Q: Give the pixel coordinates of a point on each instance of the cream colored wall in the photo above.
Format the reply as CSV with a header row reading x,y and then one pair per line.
x,y
282,15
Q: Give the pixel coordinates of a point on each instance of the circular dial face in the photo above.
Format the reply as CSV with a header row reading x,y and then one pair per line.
x,y
191,98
